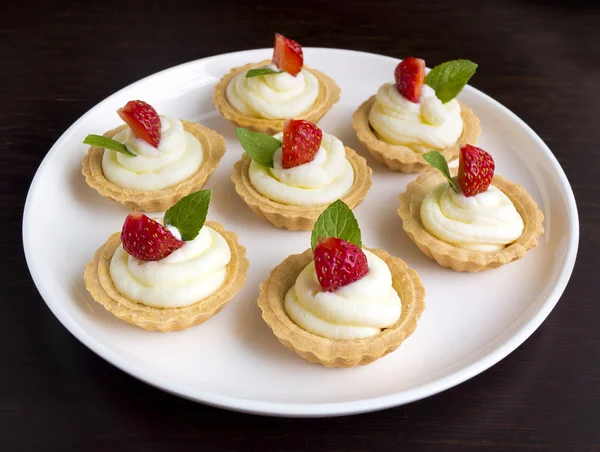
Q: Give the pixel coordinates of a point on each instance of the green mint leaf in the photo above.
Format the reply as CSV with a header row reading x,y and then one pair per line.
x,y
448,79
107,143
437,160
259,146
338,221
261,71
189,214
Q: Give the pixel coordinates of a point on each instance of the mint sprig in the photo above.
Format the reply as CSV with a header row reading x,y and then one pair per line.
x,y
261,71
107,143
259,146
437,160
189,214
448,79
338,221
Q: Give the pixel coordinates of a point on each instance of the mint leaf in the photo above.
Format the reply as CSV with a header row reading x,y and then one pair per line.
x,y
189,214
448,79
437,160
261,71
107,143
338,221
259,146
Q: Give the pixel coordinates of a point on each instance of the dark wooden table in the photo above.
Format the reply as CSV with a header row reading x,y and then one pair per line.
x,y
541,60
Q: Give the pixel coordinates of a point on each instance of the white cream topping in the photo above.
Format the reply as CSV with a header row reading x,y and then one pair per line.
x,y
487,221
423,126
273,96
360,309
327,178
186,276
178,156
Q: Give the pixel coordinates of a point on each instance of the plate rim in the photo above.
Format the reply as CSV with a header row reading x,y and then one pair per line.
x,y
309,409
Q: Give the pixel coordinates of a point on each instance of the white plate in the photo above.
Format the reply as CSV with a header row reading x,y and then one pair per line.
x,y
233,360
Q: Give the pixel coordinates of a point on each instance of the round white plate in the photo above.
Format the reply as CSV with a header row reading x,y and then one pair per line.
x,y
233,360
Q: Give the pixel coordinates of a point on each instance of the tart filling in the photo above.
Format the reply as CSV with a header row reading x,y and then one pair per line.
x,y
276,95
421,126
328,177
360,309
177,157
190,273
487,221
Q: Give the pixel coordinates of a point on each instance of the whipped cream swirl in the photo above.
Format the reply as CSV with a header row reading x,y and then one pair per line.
x,y
273,96
327,178
485,222
428,124
186,276
178,156
360,309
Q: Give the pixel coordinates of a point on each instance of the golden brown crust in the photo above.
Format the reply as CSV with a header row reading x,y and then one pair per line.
x,y
99,284
332,352
213,146
329,94
403,158
459,259
298,217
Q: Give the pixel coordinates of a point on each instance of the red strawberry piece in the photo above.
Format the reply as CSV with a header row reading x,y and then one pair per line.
x,y
143,121
301,141
338,263
475,170
146,239
410,75
287,55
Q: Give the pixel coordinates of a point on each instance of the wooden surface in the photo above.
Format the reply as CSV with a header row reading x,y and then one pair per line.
x,y
541,60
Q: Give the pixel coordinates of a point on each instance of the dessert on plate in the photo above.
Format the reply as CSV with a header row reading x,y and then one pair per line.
x,y
416,114
260,96
474,221
171,273
151,162
290,178
339,304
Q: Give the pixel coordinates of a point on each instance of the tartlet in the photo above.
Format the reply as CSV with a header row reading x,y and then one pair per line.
x,y
329,94
461,259
338,303
418,111
100,285
289,213
340,353
213,146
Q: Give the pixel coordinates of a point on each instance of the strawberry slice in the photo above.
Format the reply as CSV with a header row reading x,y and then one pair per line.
x,y
301,141
146,239
338,263
143,121
287,55
475,170
409,76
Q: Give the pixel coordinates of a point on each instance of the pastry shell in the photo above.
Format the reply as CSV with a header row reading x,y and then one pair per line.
x,y
100,285
403,158
329,94
459,259
213,146
298,217
336,352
